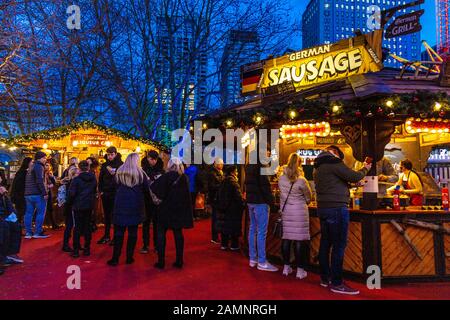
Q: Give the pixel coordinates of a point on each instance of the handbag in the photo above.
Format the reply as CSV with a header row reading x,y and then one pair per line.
x,y
278,225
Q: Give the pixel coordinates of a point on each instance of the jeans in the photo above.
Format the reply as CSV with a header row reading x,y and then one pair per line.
x,y
334,230
82,226
179,244
108,208
68,216
119,235
150,218
259,219
38,203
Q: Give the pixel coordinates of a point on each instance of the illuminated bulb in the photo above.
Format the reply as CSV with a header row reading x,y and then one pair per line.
x,y
335,108
75,143
433,131
108,143
258,119
12,148
446,130
408,122
437,106
426,129
292,114
3,145
389,103
45,146
138,149
419,130
205,126
229,123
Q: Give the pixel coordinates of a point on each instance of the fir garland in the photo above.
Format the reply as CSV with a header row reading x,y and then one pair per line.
x,y
421,104
64,131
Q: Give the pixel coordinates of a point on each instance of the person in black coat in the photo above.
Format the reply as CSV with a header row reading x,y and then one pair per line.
x,y
212,183
82,194
18,188
174,212
10,232
107,188
153,166
230,209
68,212
129,206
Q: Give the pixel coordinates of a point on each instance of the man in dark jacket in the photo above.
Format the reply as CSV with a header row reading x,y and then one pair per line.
x,y
10,232
35,197
332,178
212,184
153,166
259,200
82,193
107,188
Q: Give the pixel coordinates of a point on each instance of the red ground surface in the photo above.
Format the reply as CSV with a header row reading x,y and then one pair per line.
x,y
209,273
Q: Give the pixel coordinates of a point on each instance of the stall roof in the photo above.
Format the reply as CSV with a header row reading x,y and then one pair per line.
x,y
64,131
386,82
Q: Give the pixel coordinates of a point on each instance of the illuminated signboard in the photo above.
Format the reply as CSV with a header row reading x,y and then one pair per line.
x,y
89,140
317,65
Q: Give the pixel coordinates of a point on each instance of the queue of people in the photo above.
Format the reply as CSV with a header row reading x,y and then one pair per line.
x,y
143,192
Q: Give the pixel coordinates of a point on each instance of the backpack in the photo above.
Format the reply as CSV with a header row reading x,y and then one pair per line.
x,y
62,194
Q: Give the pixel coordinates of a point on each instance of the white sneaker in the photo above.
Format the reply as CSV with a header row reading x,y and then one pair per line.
x,y
301,273
287,270
252,263
267,267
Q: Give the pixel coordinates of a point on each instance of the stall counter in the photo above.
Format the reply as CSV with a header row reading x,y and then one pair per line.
x,y
407,245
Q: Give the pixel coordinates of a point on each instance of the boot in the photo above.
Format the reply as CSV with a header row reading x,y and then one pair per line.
x,y
75,253
67,248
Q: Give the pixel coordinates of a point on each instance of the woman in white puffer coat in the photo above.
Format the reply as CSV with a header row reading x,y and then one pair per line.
x,y
295,215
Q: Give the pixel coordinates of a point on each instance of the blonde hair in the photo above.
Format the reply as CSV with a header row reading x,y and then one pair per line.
x,y
130,173
292,170
73,171
175,164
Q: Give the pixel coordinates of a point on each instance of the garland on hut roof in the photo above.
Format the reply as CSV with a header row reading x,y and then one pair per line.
x,y
421,104
64,131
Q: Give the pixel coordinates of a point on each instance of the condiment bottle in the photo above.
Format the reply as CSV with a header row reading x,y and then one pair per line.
x,y
396,198
444,194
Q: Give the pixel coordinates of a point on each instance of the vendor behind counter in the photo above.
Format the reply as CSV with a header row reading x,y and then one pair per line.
x,y
409,183
386,174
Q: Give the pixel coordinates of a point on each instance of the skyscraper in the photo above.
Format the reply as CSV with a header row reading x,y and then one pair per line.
x,y
328,21
242,47
181,67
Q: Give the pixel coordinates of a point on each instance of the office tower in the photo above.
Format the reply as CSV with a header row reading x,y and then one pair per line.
x,y
328,21
242,47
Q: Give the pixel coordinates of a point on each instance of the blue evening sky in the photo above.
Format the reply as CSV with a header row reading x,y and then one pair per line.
x,y
428,20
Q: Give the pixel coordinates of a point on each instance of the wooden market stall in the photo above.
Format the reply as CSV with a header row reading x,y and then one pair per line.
x,y
373,111
80,140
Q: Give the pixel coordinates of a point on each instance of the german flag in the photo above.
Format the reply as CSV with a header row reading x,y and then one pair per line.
x,y
250,79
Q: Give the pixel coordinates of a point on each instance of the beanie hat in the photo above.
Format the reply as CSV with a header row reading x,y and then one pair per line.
x,y
39,155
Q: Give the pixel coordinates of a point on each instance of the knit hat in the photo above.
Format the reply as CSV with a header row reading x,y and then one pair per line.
x,y
39,155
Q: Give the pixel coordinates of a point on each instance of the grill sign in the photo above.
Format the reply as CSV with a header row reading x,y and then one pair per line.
x,y
405,24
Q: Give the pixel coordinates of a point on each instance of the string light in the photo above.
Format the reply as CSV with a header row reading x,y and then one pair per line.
x,y
229,123
205,126
292,114
389,103
138,149
427,125
75,143
303,130
336,108
45,146
437,106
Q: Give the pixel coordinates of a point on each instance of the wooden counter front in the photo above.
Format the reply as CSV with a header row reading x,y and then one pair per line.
x,y
374,239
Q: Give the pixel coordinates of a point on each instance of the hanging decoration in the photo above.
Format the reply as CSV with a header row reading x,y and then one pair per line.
x,y
62,132
433,125
303,130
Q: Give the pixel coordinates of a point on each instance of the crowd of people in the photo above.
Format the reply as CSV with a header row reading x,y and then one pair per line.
x,y
141,191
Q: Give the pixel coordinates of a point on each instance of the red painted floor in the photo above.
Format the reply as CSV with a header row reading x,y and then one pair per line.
x,y
209,273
